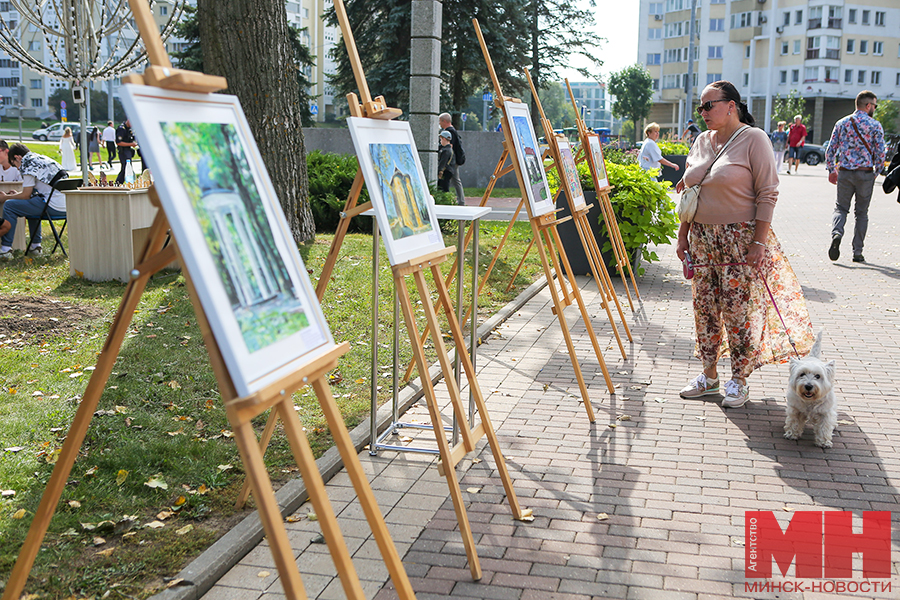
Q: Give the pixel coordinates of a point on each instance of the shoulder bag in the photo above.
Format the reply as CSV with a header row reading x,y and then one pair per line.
x,y
863,140
690,196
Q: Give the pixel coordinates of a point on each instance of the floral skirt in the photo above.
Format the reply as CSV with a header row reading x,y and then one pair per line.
x,y
733,311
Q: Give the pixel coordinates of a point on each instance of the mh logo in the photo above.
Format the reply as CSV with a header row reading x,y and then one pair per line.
x,y
823,543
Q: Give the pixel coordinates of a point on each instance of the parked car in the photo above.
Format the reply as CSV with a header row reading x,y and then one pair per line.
x,y
812,154
55,131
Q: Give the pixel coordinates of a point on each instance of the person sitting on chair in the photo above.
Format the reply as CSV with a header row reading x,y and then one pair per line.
x,y
37,173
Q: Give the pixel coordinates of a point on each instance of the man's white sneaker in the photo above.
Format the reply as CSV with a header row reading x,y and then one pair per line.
x,y
6,254
35,252
700,386
736,395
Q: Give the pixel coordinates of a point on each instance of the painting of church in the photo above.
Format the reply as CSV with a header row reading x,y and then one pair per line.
x,y
405,197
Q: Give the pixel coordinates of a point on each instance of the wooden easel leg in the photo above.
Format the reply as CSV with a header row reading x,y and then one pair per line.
x,y
77,431
269,513
612,226
313,479
512,279
584,313
264,440
456,331
339,235
363,489
560,315
459,506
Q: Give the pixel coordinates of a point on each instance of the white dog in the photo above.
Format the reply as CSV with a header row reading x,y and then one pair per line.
x,y
810,397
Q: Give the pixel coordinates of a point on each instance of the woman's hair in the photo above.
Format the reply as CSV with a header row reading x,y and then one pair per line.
x,y
18,150
650,128
729,92
782,123
67,132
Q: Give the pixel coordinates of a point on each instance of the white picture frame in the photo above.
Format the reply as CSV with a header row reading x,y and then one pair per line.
x,y
569,176
398,189
530,158
597,162
231,233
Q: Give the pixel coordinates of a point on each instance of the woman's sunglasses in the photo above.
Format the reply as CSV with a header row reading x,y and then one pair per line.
x,y
707,106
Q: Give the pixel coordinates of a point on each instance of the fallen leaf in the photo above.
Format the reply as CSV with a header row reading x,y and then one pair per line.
x,y
293,519
19,514
14,449
844,422
156,524
623,418
174,582
37,394
91,471
74,504
202,490
106,552
121,476
7,493
174,384
312,516
612,425
157,482
787,509
99,541
475,461
602,517
121,409
162,516
184,530
262,574
473,490
660,400
225,467
181,500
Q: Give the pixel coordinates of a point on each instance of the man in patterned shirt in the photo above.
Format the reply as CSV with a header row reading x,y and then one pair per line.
x,y
855,152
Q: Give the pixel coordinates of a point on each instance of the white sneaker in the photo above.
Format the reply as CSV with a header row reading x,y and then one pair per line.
x,y
6,254
736,395
700,386
35,252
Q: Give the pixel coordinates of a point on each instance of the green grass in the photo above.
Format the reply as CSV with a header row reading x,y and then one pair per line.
x,y
161,417
497,192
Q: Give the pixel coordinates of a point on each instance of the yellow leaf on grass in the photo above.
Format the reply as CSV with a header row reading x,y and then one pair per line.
x,y
121,476
181,500
19,514
91,471
224,467
106,552
202,490
174,385
156,524
121,409
184,530
157,482
74,504
53,456
99,541
162,516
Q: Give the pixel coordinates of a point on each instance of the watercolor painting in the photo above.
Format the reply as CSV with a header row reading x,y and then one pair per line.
x,y
405,198
570,171
529,155
598,162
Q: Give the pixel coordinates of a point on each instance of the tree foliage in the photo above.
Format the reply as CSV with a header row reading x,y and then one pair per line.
x,y
785,109
559,30
191,57
99,106
633,89
557,105
887,114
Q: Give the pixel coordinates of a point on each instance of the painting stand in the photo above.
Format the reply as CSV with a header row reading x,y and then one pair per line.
x,y
470,435
579,216
609,215
544,228
240,411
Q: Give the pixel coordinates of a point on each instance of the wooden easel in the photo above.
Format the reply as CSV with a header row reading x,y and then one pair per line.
x,y
609,215
240,411
544,228
579,217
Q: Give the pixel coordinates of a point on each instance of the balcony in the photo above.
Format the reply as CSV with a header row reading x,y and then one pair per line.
x,y
814,23
834,23
835,54
812,54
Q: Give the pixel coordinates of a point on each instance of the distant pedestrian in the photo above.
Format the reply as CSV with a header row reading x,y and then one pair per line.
x,y
779,139
67,150
94,147
459,155
446,164
691,132
125,144
854,157
796,141
109,138
651,157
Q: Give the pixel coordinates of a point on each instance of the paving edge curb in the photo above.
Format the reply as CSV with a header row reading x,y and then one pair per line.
x,y
205,570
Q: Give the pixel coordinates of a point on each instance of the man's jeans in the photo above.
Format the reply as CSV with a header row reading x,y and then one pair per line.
x,y
860,184
32,208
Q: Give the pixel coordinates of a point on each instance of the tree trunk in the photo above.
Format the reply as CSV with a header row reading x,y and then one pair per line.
x,y
246,41
535,64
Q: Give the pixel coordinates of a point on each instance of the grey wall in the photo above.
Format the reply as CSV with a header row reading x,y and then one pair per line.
x,y
483,150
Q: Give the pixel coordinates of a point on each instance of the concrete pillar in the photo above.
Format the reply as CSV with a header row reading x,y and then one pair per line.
x,y
425,81
819,120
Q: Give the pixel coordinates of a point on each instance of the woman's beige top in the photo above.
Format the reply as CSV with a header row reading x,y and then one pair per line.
x,y
743,183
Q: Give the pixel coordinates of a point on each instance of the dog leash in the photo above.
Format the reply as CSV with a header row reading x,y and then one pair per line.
x,y
689,274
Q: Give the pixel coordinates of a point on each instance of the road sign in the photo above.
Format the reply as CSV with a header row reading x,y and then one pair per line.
x,y
62,104
464,117
314,109
62,114
487,97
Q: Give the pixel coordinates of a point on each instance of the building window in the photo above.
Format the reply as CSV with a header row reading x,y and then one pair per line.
x,y
798,17
747,51
36,84
786,20
717,24
784,48
656,8
37,102
898,79
861,77
831,74
879,18
655,84
796,46
744,19
865,17
851,15
653,59
811,74
782,77
713,77
654,33
815,17
878,48
848,76
795,76
850,46
163,10
863,46
34,45
715,52
717,1
834,17
813,44
876,78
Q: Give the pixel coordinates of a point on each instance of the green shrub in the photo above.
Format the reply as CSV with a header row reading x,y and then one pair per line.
x,y
619,156
330,179
673,148
644,210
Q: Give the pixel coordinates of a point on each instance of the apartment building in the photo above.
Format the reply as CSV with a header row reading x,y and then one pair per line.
x,y
593,102
19,84
824,50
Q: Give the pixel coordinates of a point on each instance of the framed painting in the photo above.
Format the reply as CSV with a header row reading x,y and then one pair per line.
x,y
529,156
598,165
570,174
397,187
231,232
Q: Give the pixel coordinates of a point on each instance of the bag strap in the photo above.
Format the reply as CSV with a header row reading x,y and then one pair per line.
x,y
863,140
722,151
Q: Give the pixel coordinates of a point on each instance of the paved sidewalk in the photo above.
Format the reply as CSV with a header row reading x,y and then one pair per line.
x,y
649,501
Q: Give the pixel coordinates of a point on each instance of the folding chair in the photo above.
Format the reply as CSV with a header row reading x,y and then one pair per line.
x,y
62,184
